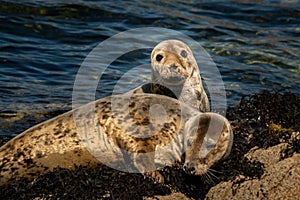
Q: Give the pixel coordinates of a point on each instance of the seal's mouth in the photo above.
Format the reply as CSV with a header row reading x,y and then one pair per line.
x,y
195,169
189,169
168,76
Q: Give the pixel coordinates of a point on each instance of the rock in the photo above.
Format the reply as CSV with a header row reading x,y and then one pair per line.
x,y
173,196
281,178
265,160
269,156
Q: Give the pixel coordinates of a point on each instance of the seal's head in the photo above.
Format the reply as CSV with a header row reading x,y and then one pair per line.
x,y
172,63
206,143
174,67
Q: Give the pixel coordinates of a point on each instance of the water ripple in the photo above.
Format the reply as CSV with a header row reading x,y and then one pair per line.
x,y
43,43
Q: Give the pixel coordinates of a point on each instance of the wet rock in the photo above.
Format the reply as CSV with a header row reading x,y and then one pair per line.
x,y
281,180
173,196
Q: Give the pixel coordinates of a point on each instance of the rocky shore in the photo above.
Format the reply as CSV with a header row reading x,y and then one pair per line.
x,y
264,164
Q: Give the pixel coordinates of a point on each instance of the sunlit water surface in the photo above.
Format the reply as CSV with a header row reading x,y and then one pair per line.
x,y
43,43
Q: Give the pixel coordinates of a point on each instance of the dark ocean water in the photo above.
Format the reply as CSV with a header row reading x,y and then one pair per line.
x,y
255,46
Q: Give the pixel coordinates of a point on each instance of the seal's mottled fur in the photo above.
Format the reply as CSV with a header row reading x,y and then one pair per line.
x,y
138,131
57,142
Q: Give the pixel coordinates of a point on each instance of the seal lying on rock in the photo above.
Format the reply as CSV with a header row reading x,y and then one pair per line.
x,y
129,132
139,131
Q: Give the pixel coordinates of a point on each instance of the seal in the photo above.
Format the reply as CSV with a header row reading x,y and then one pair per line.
x,y
130,136
119,131
174,67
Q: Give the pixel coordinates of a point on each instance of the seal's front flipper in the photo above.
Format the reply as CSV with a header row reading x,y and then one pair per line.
x,y
145,164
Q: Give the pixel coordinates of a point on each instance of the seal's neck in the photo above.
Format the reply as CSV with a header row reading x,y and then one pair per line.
x,y
197,90
175,86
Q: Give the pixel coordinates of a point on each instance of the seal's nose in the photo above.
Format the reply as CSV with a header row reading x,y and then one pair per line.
x,y
173,68
189,168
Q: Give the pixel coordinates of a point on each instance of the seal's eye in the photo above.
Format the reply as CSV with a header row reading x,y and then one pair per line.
x,y
183,53
159,57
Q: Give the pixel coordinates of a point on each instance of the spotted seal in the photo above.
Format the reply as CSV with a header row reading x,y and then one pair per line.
x,y
123,136
142,146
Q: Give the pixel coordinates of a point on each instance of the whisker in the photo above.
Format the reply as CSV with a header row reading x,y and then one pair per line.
x,y
209,177
215,171
213,175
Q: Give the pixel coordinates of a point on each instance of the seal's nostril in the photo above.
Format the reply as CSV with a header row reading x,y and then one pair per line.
x,y
189,168
192,169
185,168
159,57
173,67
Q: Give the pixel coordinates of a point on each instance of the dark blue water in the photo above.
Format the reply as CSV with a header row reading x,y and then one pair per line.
x,y
43,43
